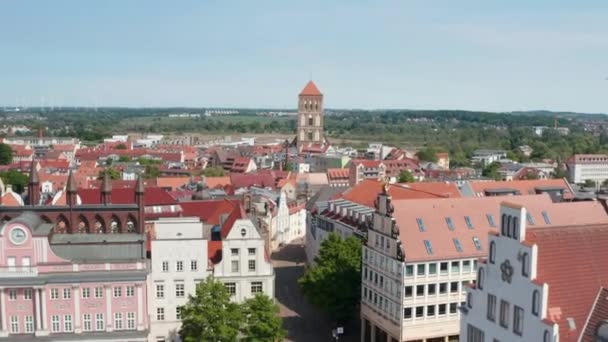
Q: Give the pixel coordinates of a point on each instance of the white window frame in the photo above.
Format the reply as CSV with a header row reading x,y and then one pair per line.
x,y
14,324
99,322
160,314
117,291
180,290
118,321
160,289
193,265
55,324
12,294
68,323
87,322
29,324
98,293
179,266
85,292
130,320
27,294
67,293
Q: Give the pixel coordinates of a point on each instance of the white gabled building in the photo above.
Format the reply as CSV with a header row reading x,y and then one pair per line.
x,y
540,284
245,267
179,261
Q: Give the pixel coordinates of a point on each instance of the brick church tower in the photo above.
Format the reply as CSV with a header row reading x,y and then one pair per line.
x,y
310,116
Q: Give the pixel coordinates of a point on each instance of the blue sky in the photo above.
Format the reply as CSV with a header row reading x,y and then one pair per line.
x,y
477,55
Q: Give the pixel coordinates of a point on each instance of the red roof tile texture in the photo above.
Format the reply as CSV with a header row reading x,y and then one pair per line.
x,y
525,187
366,192
310,90
208,211
572,261
238,213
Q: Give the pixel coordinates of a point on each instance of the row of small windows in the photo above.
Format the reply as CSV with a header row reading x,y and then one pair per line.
x,y
450,223
431,310
434,289
445,267
429,247
509,225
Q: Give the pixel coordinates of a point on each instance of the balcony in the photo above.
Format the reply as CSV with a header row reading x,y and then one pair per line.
x,y
18,272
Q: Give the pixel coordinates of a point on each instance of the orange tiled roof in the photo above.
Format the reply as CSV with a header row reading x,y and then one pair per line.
x,y
365,192
338,173
310,90
172,182
525,187
217,182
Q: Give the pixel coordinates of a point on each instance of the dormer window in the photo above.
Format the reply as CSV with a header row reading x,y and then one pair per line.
x,y
467,219
530,219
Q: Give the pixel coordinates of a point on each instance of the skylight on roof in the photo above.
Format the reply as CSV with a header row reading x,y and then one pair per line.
x,y
420,225
449,222
477,243
468,221
491,220
429,248
457,245
546,217
530,219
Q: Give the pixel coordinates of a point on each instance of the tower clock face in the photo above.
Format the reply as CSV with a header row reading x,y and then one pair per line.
x,y
18,235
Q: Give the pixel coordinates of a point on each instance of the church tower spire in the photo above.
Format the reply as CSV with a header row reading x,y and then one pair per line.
x,y
310,116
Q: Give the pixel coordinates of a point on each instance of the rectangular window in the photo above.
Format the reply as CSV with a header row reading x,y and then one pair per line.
x,y
160,314
474,334
118,321
491,314
99,292
443,288
477,243
430,311
432,268
448,221
130,291
117,291
27,294
67,323
251,265
409,270
453,308
15,324
131,320
491,220
518,320
165,266
54,293
431,289
530,219
179,290
67,293
454,287
429,248
420,269
256,287
546,217
455,267
179,266
231,287
467,220
234,251
407,313
178,312
29,324
86,322
420,225
12,294
442,309
86,292
419,311
466,266
419,290
457,245
160,291
99,322
409,290
251,251
55,324
504,314
193,265
234,265
443,268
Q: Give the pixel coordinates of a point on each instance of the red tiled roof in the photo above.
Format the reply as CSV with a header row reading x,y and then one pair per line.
x,y
172,182
217,182
310,90
214,251
525,187
152,196
366,163
208,211
340,174
237,213
240,180
366,192
572,261
433,212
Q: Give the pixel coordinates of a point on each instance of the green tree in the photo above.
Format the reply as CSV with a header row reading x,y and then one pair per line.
x,y
333,283
121,147
589,183
210,315
213,171
124,158
427,154
112,172
151,171
6,154
406,177
559,172
491,171
16,179
262,320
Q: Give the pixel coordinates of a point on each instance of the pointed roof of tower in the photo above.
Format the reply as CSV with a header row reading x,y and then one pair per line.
x,y
71,186
310,90
34,178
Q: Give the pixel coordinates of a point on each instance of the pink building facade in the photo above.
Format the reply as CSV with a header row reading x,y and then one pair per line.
x,y
71,286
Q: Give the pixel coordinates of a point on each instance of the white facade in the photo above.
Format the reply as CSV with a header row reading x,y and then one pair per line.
x,y
595,169
506,304
179,262
245,268
287,226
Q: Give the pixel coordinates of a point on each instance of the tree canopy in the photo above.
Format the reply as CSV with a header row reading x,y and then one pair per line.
x,y
262,320
6,154
213,171
210,315
333,283
16,179
428,154
406,177
491,170
112,172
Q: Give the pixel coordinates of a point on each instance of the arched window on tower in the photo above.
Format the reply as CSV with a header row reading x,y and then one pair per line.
x,y
310,136
310,121
316,106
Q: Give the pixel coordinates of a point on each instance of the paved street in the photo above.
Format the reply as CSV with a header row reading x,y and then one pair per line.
x,y
303,321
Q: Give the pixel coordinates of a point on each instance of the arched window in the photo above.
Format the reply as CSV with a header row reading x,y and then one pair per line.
x,y
525,265
503,224
547,336
509,232
535,302
114,227
515,229
480,278
492,252
470,300
130,226
99,225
